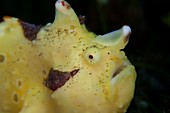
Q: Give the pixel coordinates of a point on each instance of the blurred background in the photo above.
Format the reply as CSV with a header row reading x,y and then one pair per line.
x,y
148,48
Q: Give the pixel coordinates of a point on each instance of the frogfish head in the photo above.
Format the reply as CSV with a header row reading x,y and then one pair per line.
x,y
103,79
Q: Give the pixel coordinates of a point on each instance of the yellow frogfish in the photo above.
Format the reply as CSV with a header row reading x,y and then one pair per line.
x,y
62,67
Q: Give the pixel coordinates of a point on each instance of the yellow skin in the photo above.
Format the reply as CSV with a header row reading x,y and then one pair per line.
x,y
105,80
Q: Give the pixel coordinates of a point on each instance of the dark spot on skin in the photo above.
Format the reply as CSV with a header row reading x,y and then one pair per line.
x,y
40,54
15,97
59,31
66,31
47,30
20,47
2,58
57,79
44,72
82,19
30,30
19,83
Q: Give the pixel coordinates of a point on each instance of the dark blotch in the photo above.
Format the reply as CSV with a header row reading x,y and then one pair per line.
x,y
30,30
57,79
82,19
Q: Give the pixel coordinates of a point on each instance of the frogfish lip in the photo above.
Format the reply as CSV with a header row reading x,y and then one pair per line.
x,y
124,71
120,69
57,79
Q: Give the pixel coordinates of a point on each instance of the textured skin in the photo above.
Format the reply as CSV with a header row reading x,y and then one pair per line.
x,y
104,82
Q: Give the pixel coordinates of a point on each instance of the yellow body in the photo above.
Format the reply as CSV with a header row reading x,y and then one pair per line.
x,y
104,83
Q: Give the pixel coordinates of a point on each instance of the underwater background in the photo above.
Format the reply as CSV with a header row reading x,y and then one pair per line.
x,y
148,47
